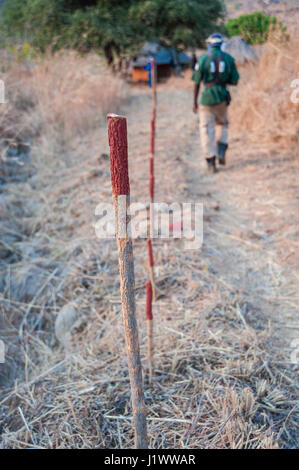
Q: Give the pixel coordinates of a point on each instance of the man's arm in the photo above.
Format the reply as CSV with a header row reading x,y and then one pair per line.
x,y
195,97
197,77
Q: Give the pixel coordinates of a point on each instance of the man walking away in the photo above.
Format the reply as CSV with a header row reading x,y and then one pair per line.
x,y
216,69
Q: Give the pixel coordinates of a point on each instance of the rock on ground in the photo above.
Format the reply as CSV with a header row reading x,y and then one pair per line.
x,y
68,321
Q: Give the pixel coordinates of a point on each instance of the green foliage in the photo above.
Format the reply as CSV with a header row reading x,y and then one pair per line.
x,y
116,27
22,52
255,28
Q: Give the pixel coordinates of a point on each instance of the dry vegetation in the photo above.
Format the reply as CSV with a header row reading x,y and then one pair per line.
x,y
263,101
56,99
219,381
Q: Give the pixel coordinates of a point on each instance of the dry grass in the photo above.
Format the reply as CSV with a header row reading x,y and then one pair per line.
x,y
57,100
262,106
73,93
213,386
218,380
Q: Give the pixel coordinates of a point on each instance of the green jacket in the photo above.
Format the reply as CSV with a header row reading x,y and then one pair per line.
x,y
202,73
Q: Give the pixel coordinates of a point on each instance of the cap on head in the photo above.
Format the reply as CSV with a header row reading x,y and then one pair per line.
x,y
215,40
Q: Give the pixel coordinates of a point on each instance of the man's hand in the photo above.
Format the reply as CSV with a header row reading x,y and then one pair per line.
x,y
195,108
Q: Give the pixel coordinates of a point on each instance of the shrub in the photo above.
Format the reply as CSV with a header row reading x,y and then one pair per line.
x,y
256,28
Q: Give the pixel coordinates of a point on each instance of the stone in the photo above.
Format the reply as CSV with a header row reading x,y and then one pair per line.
x,y
68,322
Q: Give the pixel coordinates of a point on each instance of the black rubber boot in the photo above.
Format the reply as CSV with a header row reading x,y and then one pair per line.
x,y
222,147
212,164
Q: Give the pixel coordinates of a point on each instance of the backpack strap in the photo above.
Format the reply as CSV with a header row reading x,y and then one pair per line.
x,y
217,80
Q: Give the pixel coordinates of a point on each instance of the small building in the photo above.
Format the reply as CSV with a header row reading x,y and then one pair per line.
x,y
167,59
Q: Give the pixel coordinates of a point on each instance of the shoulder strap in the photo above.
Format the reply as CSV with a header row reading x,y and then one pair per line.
x,y
217,80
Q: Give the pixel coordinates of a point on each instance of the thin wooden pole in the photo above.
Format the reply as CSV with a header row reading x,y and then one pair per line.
x,y
154,86
151,266
117,134
149,317
151,172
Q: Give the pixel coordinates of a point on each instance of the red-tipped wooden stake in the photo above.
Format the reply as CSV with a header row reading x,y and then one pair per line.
x,y
117,134
149,317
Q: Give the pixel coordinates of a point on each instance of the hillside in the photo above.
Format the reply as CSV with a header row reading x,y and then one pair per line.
x,y
286,10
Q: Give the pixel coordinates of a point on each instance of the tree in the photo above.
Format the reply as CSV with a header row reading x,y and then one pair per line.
x,y
116,27
255,28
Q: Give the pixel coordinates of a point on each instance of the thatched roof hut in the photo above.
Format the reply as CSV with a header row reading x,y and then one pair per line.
x,y
240,50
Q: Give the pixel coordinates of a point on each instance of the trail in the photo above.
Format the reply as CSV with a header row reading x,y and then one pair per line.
x,y
225,319
249,205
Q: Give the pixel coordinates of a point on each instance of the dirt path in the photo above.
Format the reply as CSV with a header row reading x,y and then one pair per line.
x,y
226,314
248,257
251,207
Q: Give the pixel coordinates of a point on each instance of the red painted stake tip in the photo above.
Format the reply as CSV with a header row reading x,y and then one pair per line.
x,y
149,300
151,162
118,142
152,148
151,188
150,253
151,178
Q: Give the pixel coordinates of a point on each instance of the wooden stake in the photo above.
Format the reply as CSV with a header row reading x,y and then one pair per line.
x,y
117,134
151,173
149,317
151,266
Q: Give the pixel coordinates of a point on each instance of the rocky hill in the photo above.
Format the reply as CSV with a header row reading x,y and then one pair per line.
x,y
286,10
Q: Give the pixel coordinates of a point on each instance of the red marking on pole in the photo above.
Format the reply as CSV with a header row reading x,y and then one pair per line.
x,y
117,131
150,253
152,137
151,188
153,123
151,160
149,300
151,179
